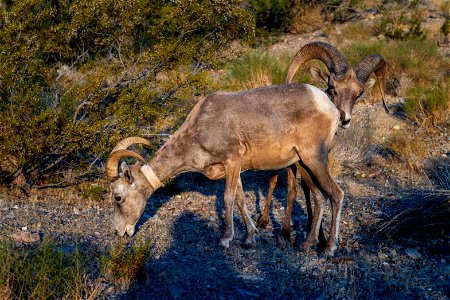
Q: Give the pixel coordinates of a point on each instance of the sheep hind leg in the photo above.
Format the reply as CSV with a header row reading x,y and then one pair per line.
x,y
249,224
264,219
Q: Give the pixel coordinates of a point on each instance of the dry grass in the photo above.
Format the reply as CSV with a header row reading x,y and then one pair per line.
x,y
426,216
409,150
353,147
308,17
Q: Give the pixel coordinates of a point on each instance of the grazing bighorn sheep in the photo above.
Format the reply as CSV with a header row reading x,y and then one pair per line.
x,y
344,86
267,128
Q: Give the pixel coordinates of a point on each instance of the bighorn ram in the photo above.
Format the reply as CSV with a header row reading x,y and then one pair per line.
x,y
267,128
344,86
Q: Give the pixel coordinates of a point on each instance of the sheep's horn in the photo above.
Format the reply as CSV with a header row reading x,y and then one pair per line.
x,y
329,55
127,142
373,63
112,163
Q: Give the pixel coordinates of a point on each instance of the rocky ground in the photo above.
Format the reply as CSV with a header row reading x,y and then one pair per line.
x,y
184,221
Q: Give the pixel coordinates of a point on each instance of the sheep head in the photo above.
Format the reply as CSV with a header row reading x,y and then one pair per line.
x,y
344,84
131,186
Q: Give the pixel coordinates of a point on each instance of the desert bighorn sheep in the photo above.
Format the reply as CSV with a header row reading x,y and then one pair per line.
x,y
267,128
344,86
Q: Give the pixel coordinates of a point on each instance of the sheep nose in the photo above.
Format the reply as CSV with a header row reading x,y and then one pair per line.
x,y
346,123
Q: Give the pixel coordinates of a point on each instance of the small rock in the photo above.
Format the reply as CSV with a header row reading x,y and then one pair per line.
x,y
396,127
24,228
246,293
25,237
249,277
413,253
382,256
176,292
76,211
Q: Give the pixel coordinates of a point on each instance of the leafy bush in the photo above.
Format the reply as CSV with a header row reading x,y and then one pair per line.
x,y
401,28
77,76
273,14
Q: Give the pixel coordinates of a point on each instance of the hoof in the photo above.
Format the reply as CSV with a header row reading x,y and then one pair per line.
x,y
225,243
306,247
250,242
263,223
282,243
286,233
328,252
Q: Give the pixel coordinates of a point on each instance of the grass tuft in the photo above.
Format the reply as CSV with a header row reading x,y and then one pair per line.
x,y
353,147
409,150
46,272
256,69
426,216
125,264
428,105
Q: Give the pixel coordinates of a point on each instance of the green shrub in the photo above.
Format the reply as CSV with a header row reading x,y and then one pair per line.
x,y
401,28
445,29
77,76
92,192
273,14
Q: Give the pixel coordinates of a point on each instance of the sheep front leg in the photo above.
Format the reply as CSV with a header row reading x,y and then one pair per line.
x,y
232,177
315,231
249,225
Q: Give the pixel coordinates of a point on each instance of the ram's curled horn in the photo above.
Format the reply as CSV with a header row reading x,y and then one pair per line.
x,y
112,163
119,152
329,55
127,142
373,63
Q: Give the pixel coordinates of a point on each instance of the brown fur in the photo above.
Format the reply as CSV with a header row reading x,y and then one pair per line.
x,y
228,133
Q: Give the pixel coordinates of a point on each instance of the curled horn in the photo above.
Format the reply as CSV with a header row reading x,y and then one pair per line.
x,y
329,55
373,63
119,152
127,142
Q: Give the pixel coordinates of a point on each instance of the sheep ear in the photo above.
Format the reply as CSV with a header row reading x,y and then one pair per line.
x,y
319,75
369,84
126,172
